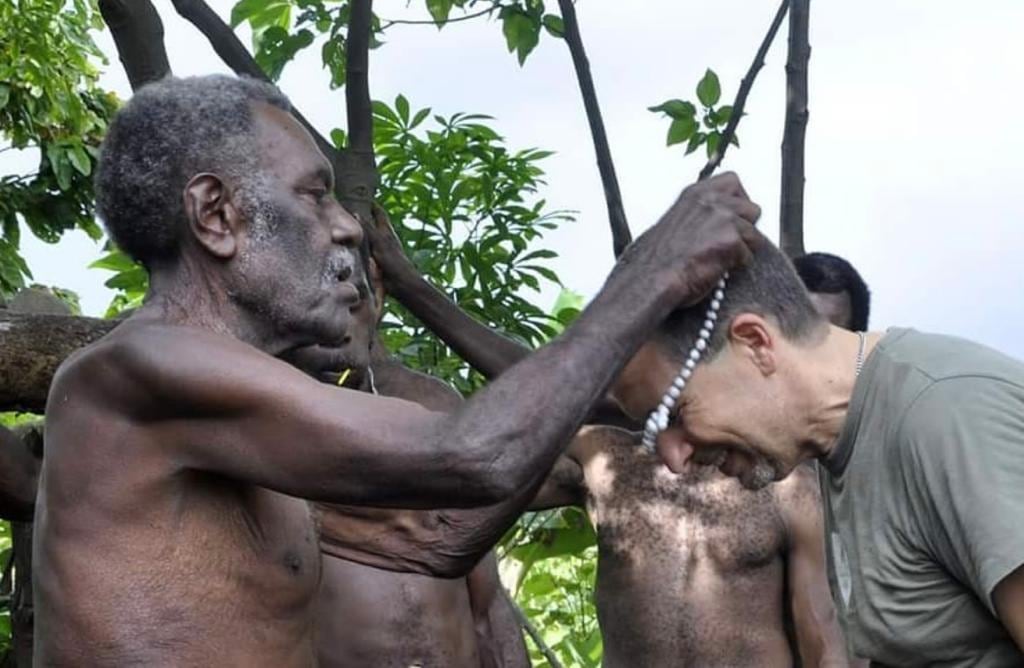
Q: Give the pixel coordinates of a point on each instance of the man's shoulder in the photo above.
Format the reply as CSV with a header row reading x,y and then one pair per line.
x,y
940,357
114,372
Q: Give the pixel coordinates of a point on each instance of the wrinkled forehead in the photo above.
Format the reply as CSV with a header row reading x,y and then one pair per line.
x,y
835,306
287,149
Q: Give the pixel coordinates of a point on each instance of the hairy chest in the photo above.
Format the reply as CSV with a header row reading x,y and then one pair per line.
x,y
644,513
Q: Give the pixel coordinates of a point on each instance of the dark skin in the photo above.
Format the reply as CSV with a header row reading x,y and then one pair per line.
x,y
19,474
693,569
403,619
168,525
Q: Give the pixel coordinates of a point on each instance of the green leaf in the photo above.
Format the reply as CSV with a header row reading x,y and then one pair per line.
x,y
338,138
245,9
419,117
676,109
681,130
695,141
439,11
5,95
114,261
712,142
554,25
522,31
722,115
402,107
80,160
709,90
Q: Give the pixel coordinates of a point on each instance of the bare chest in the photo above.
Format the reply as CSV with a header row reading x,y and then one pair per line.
x,y
644,512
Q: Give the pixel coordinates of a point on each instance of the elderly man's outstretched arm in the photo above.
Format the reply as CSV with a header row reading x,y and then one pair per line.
x,y
268,424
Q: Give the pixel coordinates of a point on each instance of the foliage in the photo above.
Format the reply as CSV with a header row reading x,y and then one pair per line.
x,y
696,130
468,212
49,102
129,282
282,28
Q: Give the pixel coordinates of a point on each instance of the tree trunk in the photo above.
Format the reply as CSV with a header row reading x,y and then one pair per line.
x,y
234,54
741,95
791,219
621,236
139,36
357,168
31,349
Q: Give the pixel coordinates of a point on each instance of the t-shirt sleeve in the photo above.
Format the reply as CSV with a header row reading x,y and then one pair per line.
x,y
963,453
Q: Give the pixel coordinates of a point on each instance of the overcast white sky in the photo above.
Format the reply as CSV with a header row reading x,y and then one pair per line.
x,y
915,149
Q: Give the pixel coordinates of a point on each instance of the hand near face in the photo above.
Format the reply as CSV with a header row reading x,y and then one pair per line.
x,y
706,232
384,244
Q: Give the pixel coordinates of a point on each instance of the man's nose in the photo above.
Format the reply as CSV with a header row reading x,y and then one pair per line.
x,y
345,229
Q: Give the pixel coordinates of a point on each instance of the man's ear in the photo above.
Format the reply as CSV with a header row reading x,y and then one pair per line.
x,y
753,339
213,218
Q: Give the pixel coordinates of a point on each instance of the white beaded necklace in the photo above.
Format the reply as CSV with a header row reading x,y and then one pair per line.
x,y
657,421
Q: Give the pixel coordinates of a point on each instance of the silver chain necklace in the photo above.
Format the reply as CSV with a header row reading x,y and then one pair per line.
x,y
860,351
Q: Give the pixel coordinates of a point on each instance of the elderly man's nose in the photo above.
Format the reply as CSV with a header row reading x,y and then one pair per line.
x,y
345,229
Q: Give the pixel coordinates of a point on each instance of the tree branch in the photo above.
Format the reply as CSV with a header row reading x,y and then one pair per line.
x,y
31,349
139,36
741,95
357,168
234,54
387,23
791,219
532,631
621,236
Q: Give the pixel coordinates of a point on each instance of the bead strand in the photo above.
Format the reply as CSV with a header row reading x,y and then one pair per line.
x,y
657,421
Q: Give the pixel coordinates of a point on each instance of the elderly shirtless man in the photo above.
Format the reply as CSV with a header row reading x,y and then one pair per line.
x,y
693,569
404,619
169,529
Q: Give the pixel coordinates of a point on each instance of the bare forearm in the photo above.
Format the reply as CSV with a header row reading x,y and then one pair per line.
x,y
484,349
521,425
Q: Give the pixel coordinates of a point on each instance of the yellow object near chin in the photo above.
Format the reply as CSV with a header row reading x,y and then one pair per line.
x,y
344,376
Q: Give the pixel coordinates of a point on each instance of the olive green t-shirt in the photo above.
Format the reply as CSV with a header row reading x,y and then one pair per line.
x,y
924,504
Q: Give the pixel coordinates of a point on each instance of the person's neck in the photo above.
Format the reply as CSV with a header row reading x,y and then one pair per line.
x,y
187,294
832,377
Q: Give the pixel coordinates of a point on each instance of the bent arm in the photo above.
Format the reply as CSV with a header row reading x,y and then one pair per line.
x,y
210,402
1008,599
19,475
819,637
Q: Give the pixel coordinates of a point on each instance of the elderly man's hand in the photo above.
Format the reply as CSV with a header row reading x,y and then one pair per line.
x,y
386,248
708,230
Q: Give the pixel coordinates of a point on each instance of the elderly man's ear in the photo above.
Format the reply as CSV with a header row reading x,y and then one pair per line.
x,y
214,219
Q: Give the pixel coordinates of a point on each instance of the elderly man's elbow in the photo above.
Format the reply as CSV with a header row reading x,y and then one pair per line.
x,y
487,477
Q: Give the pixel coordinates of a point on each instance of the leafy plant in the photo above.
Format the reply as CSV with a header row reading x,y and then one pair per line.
x,y
50,101
469,213
698,127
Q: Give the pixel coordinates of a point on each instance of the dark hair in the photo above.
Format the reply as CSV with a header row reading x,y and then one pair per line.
x,y
767,286
831,274
167,133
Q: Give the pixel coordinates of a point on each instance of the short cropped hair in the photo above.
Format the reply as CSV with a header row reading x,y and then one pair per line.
x,y
830,274
167,133
767,286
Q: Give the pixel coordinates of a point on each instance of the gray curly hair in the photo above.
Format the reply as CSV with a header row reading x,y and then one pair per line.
x,y
168,132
